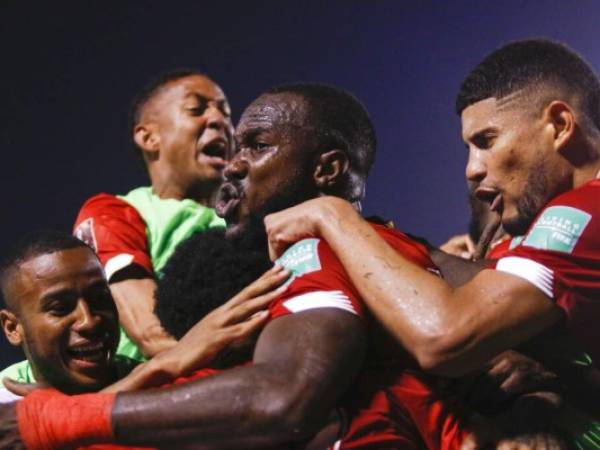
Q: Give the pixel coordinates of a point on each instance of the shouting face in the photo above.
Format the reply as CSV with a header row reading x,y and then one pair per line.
x,y
190,128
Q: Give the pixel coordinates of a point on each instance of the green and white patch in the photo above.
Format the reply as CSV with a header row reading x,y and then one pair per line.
x,y
514,242
301,258
558,228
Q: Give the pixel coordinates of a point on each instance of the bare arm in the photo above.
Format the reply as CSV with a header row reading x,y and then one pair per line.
x,y
133,291
302,364
450,331
237,319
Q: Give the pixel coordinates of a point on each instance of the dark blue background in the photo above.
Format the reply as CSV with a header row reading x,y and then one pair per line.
x,y
70,69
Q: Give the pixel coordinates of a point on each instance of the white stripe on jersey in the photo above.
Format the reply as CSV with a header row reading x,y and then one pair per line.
x,y
116,263
537,274
320,299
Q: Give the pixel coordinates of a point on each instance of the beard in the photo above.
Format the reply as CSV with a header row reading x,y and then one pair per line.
x,y
535,195
251,234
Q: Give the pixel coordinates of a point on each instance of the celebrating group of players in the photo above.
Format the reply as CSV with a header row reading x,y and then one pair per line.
x,y
146,330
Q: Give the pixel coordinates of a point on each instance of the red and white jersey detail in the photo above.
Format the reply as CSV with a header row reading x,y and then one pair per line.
x,y
538,274
378,419
320,281
116,231
560,255
320,299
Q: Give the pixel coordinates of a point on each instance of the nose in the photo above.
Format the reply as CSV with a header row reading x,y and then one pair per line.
x,y
237,169
216,119
476,168
86,321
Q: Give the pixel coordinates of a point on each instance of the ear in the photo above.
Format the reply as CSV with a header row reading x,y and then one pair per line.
x,y
147,137
562,119
331,166
12,327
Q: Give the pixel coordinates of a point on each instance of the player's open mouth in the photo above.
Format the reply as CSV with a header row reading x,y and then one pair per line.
x,y
215,151
491,196
227,200
88,355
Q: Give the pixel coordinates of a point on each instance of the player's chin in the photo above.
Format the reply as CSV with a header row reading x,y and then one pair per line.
x,y
80,383
234,230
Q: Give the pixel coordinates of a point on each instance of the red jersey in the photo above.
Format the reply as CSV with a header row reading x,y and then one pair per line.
x,y
116,231
560,255
389,407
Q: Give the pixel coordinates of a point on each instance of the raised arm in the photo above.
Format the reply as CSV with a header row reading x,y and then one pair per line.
x,y
450,331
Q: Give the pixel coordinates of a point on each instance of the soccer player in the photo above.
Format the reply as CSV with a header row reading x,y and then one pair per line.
x,y
530,116
181,128
60,311
295,143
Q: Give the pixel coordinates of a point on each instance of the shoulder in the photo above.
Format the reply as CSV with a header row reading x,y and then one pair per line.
x,y
569,223
409,247
20,372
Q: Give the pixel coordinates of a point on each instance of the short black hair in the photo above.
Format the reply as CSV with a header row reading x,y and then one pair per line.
x,y
149,91
340,120
203,273
32,245
529,63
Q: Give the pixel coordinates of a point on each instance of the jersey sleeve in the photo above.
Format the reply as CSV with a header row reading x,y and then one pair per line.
x,y
318,280
560,255
116,231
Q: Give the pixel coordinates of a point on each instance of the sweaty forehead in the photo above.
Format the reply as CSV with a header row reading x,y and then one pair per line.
x,y
274,110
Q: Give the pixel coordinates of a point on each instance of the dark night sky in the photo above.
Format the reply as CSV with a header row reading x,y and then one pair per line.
x,y
70,69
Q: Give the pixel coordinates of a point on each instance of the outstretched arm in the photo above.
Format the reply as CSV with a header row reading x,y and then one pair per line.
x,y
450,331
302,364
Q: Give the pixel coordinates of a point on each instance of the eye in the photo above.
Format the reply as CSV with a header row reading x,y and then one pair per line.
x,y
260,146
59,307
198,109
484,141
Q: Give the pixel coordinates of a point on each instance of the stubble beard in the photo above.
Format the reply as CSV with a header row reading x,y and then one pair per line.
x,y
535,196
253,236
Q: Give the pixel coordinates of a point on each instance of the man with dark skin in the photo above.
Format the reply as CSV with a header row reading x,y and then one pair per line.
x,y
302,363
182,130
531,141
59,309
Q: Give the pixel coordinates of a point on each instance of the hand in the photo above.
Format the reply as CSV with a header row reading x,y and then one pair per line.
x,y
22,389
305,220
509,374
460,245
10,438
236,320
